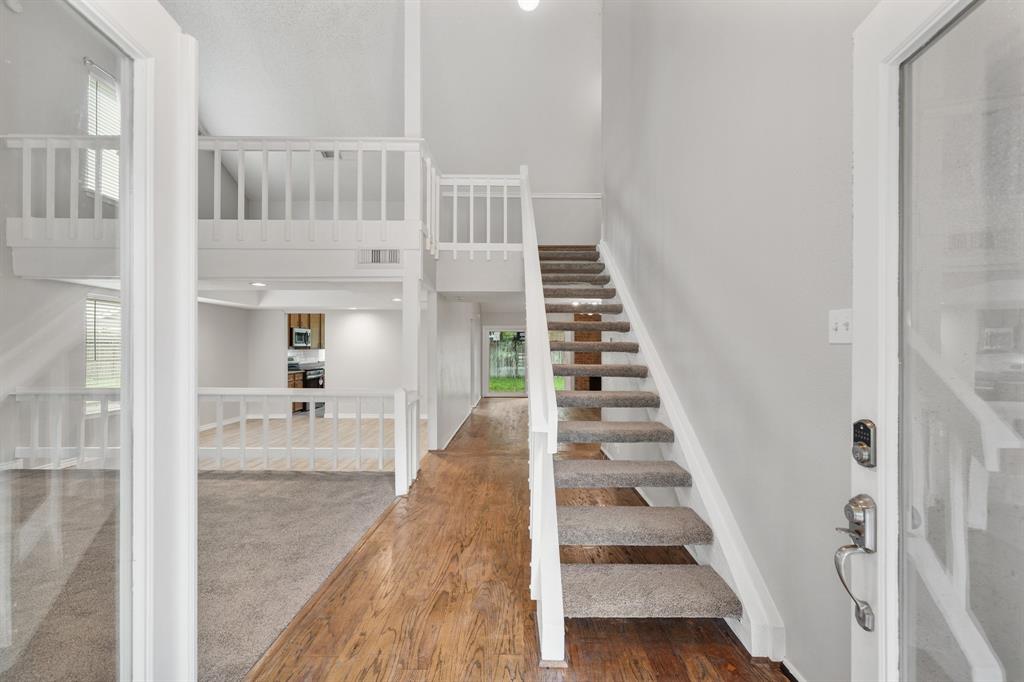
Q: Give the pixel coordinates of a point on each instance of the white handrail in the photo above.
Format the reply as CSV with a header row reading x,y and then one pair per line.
x,y
545,565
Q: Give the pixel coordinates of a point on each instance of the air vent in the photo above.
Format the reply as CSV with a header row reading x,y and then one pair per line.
x,y
329,154
380,257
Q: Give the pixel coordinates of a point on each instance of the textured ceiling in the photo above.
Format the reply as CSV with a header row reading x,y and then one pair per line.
x,y
305,68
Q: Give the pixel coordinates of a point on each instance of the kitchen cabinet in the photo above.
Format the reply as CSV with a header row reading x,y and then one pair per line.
x,y
314,322
295,381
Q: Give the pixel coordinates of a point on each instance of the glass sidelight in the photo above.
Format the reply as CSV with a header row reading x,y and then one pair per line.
x,y
506,362
65,479
962,351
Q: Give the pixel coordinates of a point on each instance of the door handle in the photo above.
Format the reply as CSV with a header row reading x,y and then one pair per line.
x,y
862,610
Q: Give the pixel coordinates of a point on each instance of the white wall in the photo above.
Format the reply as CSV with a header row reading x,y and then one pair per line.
x,y
268,348
727,204
223,354
457,335
503,87
364,348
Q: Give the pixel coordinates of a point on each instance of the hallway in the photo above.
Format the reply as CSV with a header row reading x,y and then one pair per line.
x,y
438,589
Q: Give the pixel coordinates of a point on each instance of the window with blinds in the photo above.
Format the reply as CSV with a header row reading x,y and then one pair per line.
x,y
102,343
104,107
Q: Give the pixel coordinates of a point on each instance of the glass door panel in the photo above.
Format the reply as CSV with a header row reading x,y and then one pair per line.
x,y
64,423
962,351
506,362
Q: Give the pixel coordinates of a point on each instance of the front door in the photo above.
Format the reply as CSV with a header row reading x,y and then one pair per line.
x,y
938,363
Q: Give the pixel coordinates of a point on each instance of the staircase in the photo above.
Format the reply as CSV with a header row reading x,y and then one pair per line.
x,y
574,282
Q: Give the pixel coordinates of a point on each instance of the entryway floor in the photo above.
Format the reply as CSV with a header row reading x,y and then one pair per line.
x,y
438,589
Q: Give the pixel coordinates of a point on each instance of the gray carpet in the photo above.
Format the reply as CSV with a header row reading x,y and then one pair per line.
x,y
266,542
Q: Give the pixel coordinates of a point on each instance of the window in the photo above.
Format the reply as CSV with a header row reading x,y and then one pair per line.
x,y
102,347
104,109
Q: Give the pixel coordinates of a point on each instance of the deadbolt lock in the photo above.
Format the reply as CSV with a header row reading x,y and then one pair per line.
x,y
864,443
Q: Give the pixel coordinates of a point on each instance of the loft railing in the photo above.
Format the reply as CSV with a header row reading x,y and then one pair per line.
x,y
472,214
251,429
545,565
322,190
58,206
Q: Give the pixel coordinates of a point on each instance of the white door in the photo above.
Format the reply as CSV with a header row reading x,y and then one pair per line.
x,y
938,358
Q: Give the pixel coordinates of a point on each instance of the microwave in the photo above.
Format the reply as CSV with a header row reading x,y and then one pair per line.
x,y
301,338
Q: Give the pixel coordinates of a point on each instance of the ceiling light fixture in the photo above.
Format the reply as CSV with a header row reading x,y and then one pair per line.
x,y
353,308
257,284
396,300
528,5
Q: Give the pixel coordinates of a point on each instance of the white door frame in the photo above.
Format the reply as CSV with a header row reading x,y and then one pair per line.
x,y
161,303
485,359
893,32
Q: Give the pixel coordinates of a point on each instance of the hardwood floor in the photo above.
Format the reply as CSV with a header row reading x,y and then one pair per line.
x,y
438,589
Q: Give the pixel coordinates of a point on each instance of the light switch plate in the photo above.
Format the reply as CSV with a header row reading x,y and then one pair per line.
x,y
840,326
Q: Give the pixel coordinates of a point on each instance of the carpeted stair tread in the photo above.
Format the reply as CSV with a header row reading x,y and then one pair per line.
x,y
636,526
607,399
553,267
567,247
581,370
578,278
588,326
596,346
646,591
570,255
579,292
614,432
622,473
611,308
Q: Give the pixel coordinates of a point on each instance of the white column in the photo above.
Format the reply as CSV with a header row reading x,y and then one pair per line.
x,y
429,393
411,322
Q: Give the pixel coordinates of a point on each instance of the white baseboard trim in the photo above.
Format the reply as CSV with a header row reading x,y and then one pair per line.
x,y
791,669
762,628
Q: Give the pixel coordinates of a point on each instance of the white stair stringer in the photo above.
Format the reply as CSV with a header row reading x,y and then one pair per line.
x,y
760,629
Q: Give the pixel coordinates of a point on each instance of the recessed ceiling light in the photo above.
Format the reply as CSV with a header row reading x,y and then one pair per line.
x,y
528,5
258,284
353,308
575,302
396,300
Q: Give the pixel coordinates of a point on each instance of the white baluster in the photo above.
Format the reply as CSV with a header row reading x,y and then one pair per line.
x,y
505,218
288,433
312,434
380,436
80,416
73,190
455,220
472,229
359,434
266,433
264,193
335,183
51,189
220,432
105,426
56,433
383,192
26,190
334,433
97,197
312,192
240,235
359,191
216,191
242,419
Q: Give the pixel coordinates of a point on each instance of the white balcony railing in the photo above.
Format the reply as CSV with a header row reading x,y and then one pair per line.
x,y
57,208
472,214
253,429
545,565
